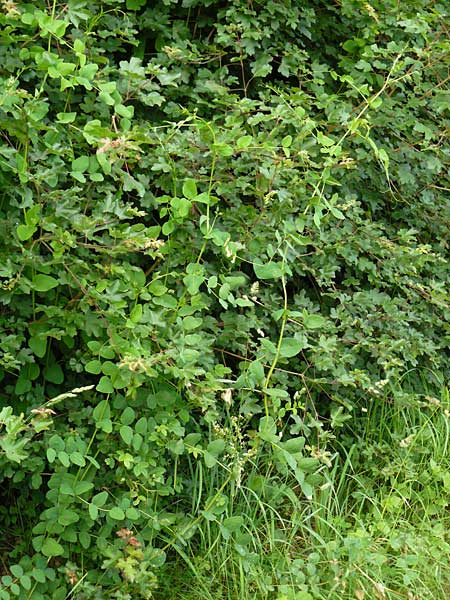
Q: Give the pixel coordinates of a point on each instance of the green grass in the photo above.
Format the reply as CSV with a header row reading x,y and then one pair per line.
x,y
377,528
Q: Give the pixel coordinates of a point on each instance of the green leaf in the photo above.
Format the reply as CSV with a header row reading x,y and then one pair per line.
x,y
95,177
270,270
190,323
93,462
77,459
78,176
205,198
209,516
38,345
337,213
51,547
168,227
63,457
267,425
256,370
291,347
82,487
313,321
243,142
308,464
31,371
38,575
317,218
23,385
108,86
16,570
102,411
141,426
28,17
54,374
51,455
100,499
104,162
126,433
136,313
132,514
216,447
233,523
105,385
68,517
307,489
43,283
220,238
93,366
294,445
64,68
25,232
193,283
156,288
302,595
181,207
66,117
190,189
93,130
128,416
124,111
80,164
56,442
25,582
210,459
135,4
289,458
222,149
262,65
106,98
107,352
93,511
85,539
117,514
325,140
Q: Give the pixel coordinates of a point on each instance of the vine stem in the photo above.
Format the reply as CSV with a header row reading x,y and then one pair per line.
x,y
278,351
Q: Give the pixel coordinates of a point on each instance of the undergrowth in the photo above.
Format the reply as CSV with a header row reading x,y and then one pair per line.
x,y
377,527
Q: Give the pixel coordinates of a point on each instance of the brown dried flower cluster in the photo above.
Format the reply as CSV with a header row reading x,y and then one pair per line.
x,y
128,537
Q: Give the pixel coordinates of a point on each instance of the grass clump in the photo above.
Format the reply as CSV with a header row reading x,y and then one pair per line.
x,y
376,527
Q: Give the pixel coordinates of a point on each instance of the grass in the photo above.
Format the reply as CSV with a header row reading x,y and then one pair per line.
x,y
377,527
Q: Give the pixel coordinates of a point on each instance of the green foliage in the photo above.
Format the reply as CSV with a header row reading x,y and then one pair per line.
x,y
224,233
376,528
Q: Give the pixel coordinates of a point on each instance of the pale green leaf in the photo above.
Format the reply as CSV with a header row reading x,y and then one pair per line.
x,y
271,270
190,189
43,283
51,547
291,346
117,514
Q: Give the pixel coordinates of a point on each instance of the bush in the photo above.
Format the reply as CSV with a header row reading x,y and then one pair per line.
x,y
225,232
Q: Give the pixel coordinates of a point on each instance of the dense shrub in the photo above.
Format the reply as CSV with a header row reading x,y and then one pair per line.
x,y
212,213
